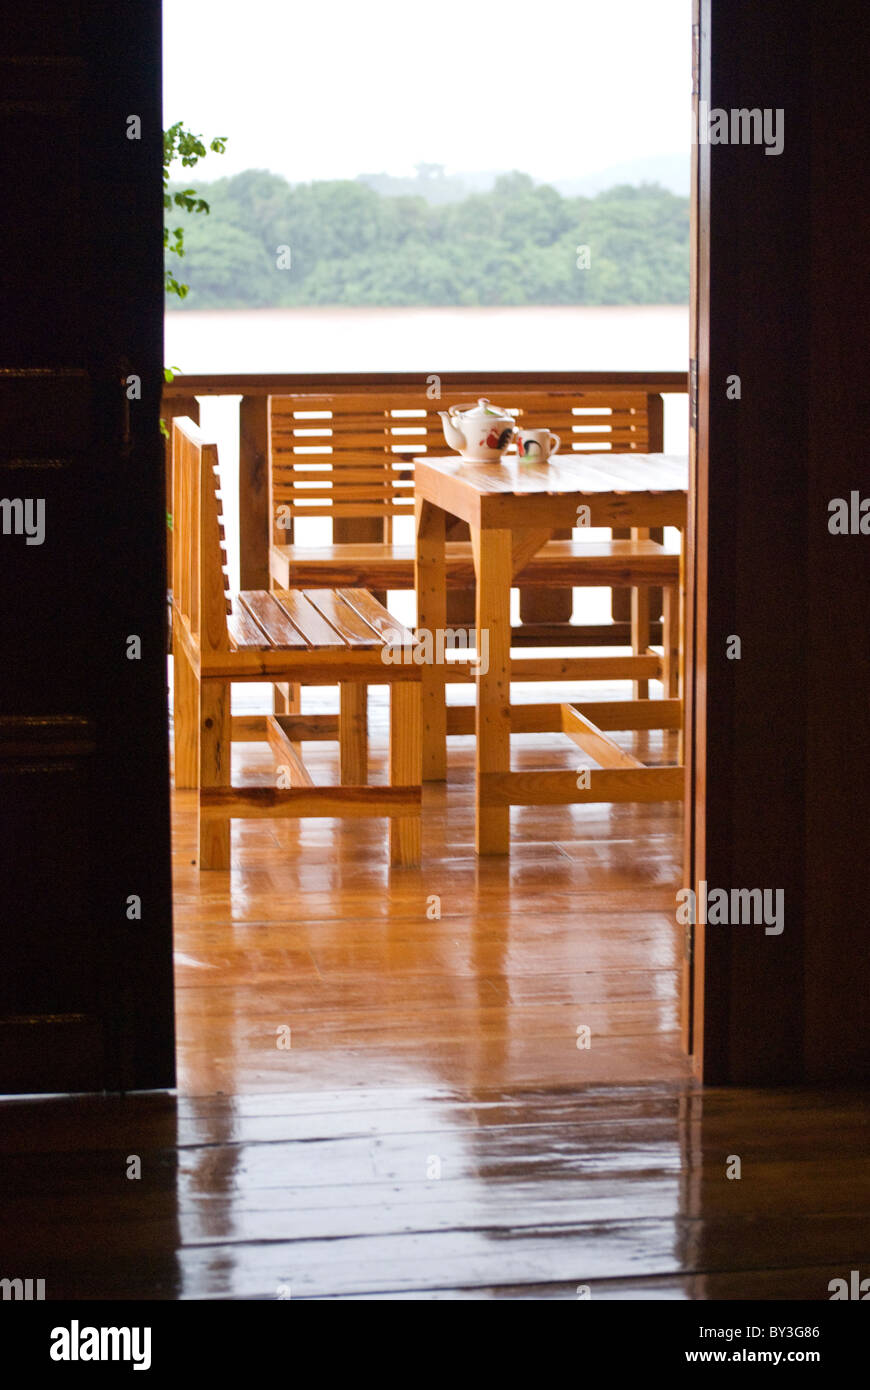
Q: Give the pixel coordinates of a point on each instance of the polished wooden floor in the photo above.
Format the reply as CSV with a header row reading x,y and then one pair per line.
x,y
433,1130
311,929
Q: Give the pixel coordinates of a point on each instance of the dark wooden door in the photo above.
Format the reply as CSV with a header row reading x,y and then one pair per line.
x,y
779,733
85,903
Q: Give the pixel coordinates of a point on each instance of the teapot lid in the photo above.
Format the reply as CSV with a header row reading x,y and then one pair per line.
x,y
482,408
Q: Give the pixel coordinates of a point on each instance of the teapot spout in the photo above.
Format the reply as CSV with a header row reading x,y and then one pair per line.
x,y
452,433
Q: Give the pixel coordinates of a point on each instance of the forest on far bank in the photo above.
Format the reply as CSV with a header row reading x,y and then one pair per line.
x,y
269,244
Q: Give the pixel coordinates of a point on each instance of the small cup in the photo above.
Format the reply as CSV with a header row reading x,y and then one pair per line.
x,y
536,446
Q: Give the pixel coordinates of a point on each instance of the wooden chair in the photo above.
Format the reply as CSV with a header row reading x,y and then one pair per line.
x,y
331,637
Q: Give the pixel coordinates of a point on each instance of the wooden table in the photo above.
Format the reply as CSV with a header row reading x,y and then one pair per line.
x,y
512,509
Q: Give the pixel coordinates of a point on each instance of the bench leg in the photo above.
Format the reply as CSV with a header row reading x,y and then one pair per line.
x,y
671,642
640,620
430,583
287,699
640,634
353,733
405,767
185,714
215,752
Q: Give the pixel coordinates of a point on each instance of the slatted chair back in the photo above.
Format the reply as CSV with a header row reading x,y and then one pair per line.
x,y
200,593
347,454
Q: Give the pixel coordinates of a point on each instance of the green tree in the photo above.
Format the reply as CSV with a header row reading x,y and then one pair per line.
x,y
230,268
517,244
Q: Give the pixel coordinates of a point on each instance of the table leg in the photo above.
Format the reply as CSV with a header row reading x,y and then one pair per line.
x,y
493,562
430,580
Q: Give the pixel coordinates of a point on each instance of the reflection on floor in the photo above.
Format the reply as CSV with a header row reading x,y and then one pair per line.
x,y
433,1130
390,1191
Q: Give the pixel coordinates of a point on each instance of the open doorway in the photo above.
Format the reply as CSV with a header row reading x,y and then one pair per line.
x,y
561,963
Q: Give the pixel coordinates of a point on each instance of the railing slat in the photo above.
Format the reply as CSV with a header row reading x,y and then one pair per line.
x,y
254,503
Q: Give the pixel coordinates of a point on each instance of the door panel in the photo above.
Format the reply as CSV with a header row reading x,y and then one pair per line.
x,y
85,898
780,778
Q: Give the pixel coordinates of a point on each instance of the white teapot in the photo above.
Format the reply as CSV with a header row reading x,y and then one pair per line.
x,y
480,432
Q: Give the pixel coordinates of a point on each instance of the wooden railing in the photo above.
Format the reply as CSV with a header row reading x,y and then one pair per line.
x,y
255,522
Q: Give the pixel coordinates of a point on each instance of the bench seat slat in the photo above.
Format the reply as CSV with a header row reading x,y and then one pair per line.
x,y
374,613
294,620
353,629
308,619
243,632
271,617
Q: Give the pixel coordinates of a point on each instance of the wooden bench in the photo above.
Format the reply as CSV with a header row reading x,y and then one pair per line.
x,y
325,637
609,564
347,455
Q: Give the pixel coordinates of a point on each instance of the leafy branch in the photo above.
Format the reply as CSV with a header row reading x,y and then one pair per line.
x,y
182,144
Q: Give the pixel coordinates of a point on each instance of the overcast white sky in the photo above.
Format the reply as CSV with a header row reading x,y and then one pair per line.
x,y
557,88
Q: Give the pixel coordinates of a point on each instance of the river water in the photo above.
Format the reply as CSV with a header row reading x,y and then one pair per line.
x,y
564,338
